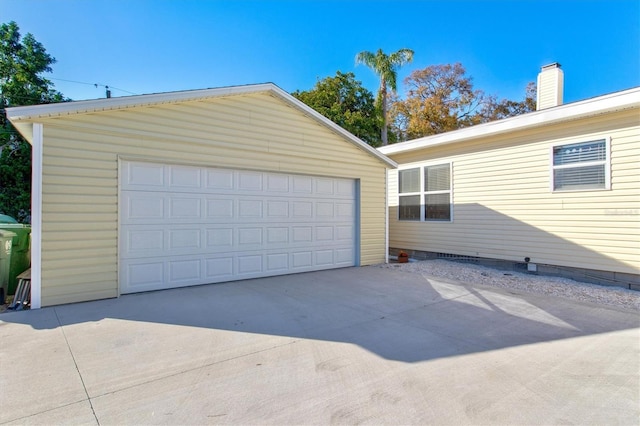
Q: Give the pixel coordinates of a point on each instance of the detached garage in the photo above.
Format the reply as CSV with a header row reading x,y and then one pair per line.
x,y
168,190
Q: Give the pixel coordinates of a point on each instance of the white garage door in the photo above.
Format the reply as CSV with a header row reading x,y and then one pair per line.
x,y
183,225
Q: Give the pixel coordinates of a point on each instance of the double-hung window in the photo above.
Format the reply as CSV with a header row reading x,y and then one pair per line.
x,y
581,166
425,193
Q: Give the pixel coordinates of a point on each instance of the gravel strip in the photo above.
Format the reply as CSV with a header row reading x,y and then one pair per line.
x,y
553,286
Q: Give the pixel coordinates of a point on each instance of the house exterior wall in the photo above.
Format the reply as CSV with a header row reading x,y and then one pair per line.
x,y
256,132
504,208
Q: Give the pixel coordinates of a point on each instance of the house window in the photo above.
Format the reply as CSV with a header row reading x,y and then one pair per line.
x,y
580,166
409,188
425,193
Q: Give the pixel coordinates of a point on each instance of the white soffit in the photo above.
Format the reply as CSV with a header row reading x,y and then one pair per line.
x,y
603,104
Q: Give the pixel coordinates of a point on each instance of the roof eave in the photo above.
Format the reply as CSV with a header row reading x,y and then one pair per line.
x,y
22,117
34,112
601,105
307,110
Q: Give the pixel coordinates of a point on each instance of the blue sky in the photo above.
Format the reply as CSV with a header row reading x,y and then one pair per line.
x,y
150,46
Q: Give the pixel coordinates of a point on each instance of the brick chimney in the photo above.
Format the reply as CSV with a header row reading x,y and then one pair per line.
x,y
550,86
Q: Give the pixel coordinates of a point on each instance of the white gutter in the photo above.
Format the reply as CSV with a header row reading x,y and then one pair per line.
x,y
603,104
36,216
386,216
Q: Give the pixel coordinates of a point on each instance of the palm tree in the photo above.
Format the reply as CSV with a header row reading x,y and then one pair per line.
x,y
386,67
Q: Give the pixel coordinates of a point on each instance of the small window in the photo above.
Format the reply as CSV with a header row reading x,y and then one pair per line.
x,y
410,207
580,166
425,193
409,180
437,198
409,188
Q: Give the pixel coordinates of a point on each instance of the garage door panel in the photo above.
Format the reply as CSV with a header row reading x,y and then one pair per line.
x,y
277,262
154,240
181,177
143,175
324,257
184,239
145,208
219,179
219,208
302,184
220,238
249,264
185,208
219,269
249,181
143,241
249,209
277,183
185,270
179,271
344,257
185,225
144,275
345,188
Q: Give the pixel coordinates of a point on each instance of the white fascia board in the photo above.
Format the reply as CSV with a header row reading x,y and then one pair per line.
x,y
307,110
33,112
29,113
603,104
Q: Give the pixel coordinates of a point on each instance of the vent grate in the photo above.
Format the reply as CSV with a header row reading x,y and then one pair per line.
x,y
458,257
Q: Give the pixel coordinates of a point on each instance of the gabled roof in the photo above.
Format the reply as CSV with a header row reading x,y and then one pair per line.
x,y
617,101
22,117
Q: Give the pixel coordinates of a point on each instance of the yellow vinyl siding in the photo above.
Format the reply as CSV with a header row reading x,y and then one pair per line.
x,y
503,206
255,132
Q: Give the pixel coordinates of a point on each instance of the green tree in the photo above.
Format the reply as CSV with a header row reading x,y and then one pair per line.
x,y
343,100
22,62
441,98
386,68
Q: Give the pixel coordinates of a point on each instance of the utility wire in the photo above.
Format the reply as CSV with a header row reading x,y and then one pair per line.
x,y
93,84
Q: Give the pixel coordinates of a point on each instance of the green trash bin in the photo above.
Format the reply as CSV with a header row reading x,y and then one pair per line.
x,y
6,244
20,256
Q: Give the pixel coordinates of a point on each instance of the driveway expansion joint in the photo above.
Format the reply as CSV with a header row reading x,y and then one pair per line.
x,y
200,367
75,363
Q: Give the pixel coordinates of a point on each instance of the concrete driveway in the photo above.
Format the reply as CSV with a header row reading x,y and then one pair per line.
x,y
357,345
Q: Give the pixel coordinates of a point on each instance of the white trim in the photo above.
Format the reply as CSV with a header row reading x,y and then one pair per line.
x,y
31,112
607,165
120,161
607,174
422,193
34,112
603,104
36,216
386,216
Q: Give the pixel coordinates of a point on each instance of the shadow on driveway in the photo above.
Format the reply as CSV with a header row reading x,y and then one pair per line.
x,y
398,316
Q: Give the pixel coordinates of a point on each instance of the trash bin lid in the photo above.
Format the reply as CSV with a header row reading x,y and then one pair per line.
x,y
7,234
7,219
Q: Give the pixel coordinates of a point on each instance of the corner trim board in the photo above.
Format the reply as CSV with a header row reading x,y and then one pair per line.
x,y
36,216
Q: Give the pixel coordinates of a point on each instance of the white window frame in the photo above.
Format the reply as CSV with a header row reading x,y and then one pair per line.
x,y
422,193
606,163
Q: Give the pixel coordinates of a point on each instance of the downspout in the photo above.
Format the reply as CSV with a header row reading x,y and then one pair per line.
x,y
386,215
36,216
